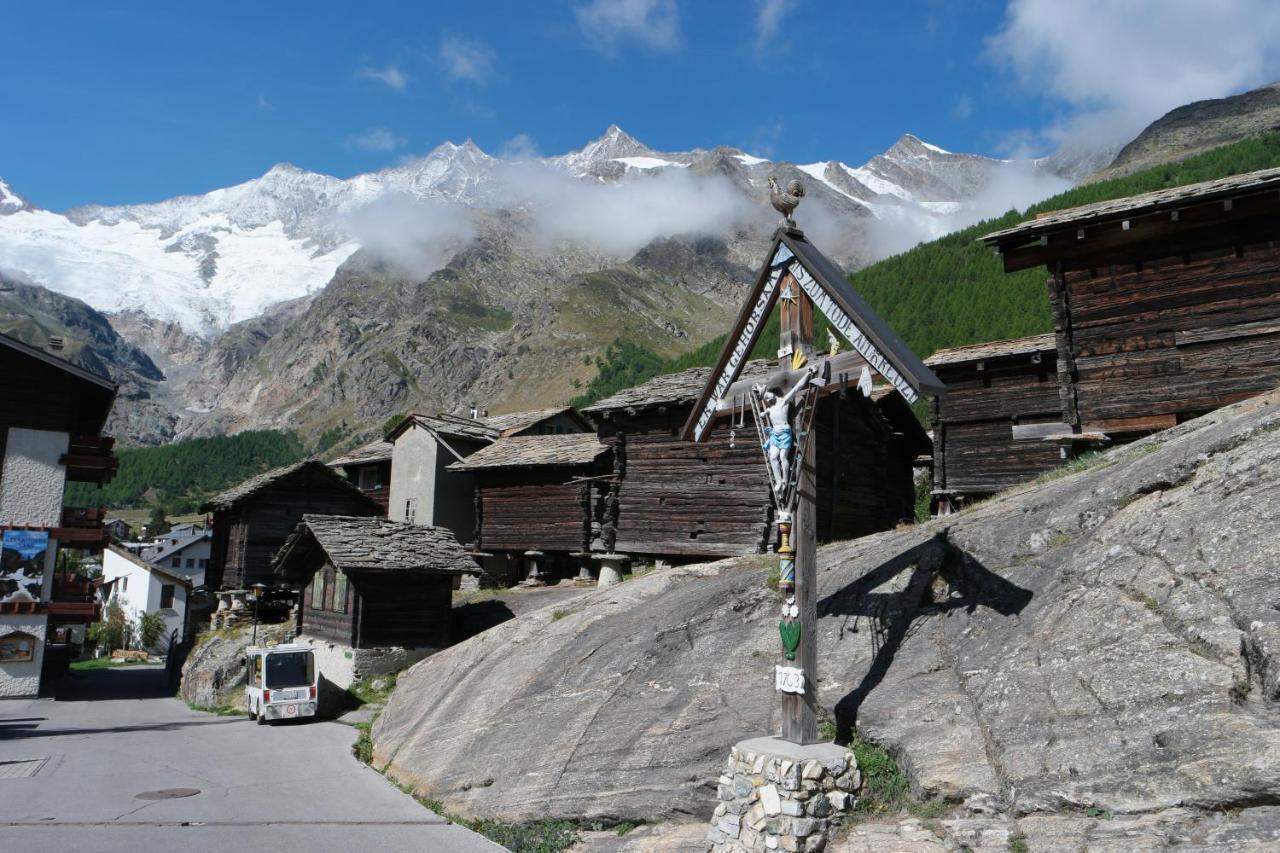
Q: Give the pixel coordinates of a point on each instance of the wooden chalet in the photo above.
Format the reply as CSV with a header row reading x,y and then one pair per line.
x,y
536,501
1166,305
677,499
1000,422
51,421
252,520
369,468
369,582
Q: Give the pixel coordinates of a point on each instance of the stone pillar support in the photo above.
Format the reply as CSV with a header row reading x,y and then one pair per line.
x,y
612,567
779,795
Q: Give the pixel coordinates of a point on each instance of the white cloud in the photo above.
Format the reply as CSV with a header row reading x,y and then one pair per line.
x,y
376,139
264,105
769,14
417,235
1117,66
466,59
392,76
608,23
963,109
519,147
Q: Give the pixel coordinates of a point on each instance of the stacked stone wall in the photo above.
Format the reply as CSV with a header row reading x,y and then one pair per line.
x,y
782,801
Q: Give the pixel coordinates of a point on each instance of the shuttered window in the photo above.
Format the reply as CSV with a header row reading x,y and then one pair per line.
x,y
317,591
339,591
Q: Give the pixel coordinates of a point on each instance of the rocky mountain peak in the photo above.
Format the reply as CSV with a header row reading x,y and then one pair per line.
x,y
910,146
10,201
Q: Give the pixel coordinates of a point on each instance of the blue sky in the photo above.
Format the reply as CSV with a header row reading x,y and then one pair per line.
x,y
118,102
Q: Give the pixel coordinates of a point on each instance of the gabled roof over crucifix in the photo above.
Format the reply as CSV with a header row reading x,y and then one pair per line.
x,y
829,289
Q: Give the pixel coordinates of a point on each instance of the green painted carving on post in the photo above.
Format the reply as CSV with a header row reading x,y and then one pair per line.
x,y
790,632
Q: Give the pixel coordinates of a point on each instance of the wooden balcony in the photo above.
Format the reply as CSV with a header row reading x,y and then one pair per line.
x,y
75,600
82,528
89,459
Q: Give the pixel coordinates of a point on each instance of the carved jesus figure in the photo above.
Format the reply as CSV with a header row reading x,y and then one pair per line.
x,y
778,436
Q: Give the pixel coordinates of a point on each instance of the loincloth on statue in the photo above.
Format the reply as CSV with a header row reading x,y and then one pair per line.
x,y
780,438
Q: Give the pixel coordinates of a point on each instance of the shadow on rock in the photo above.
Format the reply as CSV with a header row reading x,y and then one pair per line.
x,y
943,578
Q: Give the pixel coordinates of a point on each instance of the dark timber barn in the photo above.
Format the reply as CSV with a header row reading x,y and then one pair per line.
x,y
678,499
252,520
1000,422
536,499
369,582
1166,305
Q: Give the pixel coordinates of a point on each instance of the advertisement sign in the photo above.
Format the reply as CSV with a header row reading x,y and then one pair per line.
x,y
22,564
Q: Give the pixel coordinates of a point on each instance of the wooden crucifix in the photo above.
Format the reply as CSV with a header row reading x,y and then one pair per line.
x,y
801,279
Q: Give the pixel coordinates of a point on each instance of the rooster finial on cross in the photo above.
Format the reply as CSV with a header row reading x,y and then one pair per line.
x,y
785,202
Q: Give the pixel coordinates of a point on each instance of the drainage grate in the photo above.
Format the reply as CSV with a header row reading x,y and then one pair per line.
x,y
21,769
167,794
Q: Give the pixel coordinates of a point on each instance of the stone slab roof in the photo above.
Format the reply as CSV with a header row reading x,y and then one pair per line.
x,y
355,543
254,485
1143,203
993,349
671,389
448,426
374,451
516,422
523,451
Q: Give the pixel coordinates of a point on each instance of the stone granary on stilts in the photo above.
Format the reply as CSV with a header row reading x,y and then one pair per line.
x,y
376,594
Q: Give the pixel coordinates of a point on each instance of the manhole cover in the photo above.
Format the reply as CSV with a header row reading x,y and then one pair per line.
x,y
167,794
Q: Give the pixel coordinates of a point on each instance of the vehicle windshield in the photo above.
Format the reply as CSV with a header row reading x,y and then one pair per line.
x,y
289,669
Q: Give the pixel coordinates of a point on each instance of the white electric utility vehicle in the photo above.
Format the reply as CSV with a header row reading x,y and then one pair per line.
x,y
280,682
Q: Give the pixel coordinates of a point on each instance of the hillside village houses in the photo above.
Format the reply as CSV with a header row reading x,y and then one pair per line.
x,y
141,586
50,434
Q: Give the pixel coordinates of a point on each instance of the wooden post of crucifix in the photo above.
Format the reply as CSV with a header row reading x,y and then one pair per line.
x,y
800,710
801,279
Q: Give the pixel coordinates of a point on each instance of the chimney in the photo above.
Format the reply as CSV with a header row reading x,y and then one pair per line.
x,y
55,342
473,411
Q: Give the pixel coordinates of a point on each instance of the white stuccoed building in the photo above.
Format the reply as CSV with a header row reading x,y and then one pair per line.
x,y
140,587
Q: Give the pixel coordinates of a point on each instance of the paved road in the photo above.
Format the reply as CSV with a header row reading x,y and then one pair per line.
x,y
114,734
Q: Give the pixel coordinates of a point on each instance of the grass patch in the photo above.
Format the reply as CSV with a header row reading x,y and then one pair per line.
x,y
106,663
1084,462
364,693
1018,843
544,836
558,614
885,789
1100,814
219,710
363,747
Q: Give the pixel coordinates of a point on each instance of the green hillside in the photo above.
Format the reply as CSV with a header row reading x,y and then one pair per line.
x,y
954,291
179,477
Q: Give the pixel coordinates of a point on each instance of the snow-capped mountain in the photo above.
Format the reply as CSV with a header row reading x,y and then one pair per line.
x,y
207,261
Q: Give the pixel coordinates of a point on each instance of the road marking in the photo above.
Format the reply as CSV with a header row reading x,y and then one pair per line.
x,y
21,769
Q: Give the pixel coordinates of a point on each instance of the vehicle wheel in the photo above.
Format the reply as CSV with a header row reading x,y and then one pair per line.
x,y
252,714
262,718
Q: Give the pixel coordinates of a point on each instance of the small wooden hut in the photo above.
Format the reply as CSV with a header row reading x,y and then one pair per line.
x,y
373,583
535,501
679,500
252,520
1000,422
1166,305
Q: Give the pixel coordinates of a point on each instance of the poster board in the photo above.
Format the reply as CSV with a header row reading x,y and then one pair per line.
x,y
22,564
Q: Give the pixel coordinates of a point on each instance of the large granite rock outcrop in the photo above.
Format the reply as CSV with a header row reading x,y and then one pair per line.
x,y
1107,641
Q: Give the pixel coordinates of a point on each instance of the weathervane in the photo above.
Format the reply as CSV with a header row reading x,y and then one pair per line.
x,y
785,202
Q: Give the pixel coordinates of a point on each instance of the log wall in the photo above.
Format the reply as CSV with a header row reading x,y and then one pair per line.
x,y
409,609
1176,337
975,452
531,510
327,622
